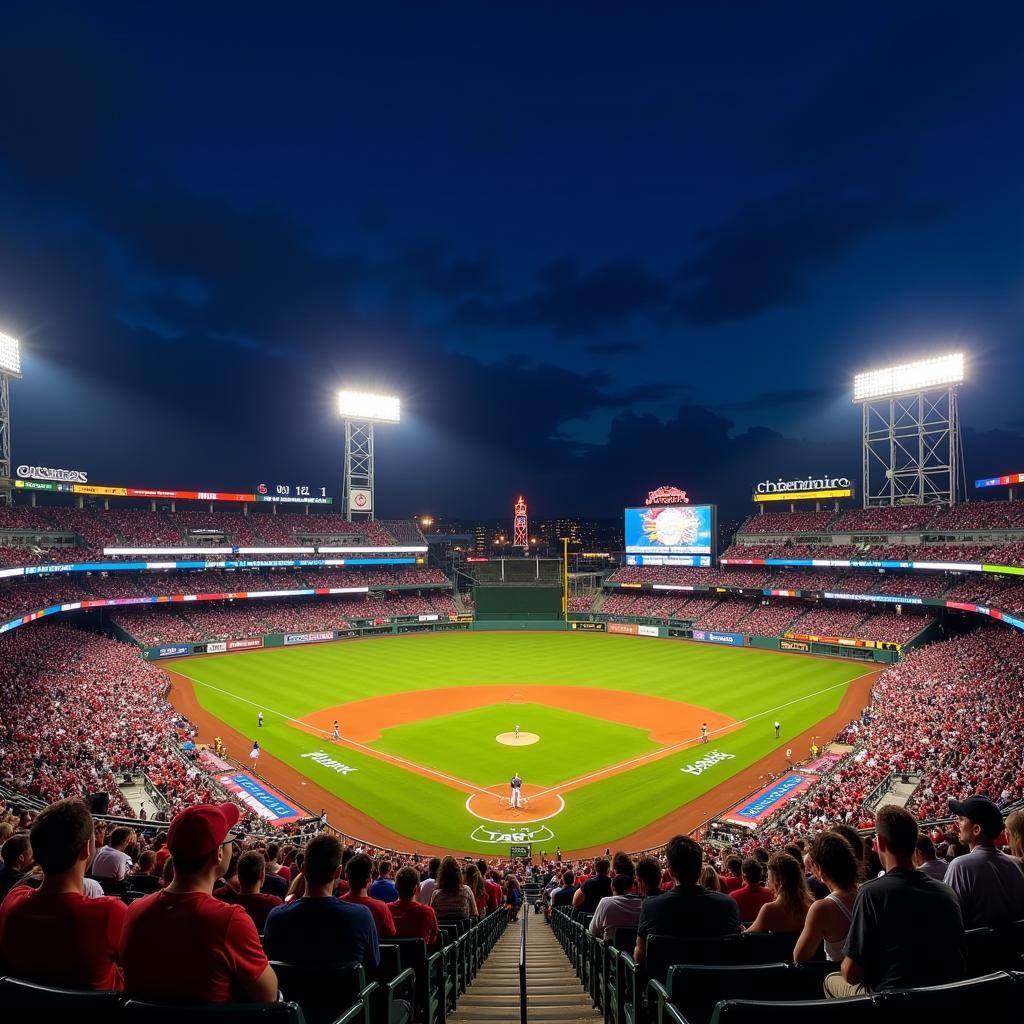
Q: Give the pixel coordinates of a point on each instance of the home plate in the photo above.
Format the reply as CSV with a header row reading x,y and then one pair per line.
x,y
524,739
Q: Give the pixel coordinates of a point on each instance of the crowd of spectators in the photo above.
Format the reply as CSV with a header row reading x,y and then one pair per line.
x,y
788,522
982,515
830,620
892,519
238,529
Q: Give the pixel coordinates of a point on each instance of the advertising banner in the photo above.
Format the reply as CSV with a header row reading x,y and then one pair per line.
x,y
433,617
794,645
173,650
711,637
216,647
590,627
693,561
767,801
257,797
670,530
309,638
245,645
623,627
647,630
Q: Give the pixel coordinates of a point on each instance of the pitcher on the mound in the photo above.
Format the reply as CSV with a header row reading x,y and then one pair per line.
x,y
516,799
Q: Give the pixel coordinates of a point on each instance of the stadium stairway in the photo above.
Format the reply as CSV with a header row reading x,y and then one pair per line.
x,y
553,990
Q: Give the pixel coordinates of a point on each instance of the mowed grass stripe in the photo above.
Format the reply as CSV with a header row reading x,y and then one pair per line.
x,y
739,683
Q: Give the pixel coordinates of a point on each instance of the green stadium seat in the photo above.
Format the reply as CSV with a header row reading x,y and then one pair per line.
x,y
26,1000
696,989
811,1011
997,994
223,1013
325,991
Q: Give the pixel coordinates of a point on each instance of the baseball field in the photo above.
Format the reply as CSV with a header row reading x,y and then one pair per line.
x,y
609,743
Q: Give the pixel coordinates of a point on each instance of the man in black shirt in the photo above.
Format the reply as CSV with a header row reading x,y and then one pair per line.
x,y
688,911
907,929
594,889
563,897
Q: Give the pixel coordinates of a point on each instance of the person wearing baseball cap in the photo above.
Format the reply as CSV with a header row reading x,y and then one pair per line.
x,y
212,950
988,883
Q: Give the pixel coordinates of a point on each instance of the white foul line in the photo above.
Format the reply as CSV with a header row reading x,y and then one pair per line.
x,y
377,755
656,755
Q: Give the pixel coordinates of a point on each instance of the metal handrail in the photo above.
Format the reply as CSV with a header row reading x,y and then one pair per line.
x,y
523,1015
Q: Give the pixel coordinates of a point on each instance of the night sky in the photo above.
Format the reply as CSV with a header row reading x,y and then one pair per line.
x,y
594,248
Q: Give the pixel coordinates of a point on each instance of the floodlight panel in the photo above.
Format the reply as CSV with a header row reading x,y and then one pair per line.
x,y
942,371
361,405
10,356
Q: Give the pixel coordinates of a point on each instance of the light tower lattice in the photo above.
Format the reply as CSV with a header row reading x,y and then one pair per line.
x,y
520,526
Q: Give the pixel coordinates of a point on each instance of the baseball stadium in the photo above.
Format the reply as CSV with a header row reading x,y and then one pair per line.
x,y
329,673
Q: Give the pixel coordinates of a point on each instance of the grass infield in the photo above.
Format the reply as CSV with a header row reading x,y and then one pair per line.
x,y
750,687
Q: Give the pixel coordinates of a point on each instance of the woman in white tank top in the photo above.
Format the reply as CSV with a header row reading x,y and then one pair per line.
x,y
828,920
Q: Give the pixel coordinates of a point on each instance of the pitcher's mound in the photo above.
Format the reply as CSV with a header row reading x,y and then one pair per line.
x,y
509,739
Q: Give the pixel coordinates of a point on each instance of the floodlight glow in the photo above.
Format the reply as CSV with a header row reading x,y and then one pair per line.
x,y
10,356
942,371
360,405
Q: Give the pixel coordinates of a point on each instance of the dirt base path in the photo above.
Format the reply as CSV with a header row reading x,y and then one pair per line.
x,y
684,819
700,809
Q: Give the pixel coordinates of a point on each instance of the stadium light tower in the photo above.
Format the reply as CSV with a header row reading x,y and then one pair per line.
x,y
911,434
360,410
10,366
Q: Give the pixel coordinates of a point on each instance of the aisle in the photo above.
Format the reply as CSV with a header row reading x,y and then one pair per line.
x,y
554,993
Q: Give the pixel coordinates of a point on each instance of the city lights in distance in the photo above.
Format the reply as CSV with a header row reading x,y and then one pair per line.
x,y
362,405
940,372
10,356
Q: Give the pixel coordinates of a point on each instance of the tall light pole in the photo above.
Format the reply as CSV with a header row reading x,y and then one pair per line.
x,y
10,366
360,411
911,432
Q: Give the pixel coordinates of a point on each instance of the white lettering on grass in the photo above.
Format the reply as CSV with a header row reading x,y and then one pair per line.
x,y
321,757
702,764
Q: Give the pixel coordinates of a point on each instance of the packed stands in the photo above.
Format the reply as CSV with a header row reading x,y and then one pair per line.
x,y
982,515
239,529
893,519
403,531
772,618
79,707
22,517
788,522
285,529
825,620
726,614
139,527
94,531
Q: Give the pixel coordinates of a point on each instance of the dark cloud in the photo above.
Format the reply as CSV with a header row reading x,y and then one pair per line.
x,y
785,396
573,302
612,348
765,255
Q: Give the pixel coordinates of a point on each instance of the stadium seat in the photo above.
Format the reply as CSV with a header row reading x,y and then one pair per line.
x,y
811,1011
696,989
395,997
997,994
26,1000
225,1013
429,971
326,991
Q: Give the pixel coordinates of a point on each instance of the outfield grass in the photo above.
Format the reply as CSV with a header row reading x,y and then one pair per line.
x,y
749,685
464,744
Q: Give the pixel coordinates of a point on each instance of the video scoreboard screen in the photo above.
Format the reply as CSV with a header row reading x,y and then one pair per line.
x,y
670,530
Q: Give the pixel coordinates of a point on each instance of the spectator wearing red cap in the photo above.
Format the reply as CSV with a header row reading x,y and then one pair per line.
x,y
213,946
988,883
55,934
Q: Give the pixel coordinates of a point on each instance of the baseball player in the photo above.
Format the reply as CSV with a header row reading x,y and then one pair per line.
x,y
516,784
704,733
259,719
517,732
336,736
254,754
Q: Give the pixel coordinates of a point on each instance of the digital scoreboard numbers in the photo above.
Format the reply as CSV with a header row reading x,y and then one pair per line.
x,y
296,493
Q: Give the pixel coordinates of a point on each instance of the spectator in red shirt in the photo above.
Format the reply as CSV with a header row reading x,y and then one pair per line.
x,y
494,893
359,870
412,919
214,949
733,877
752,896
55,934
257,904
